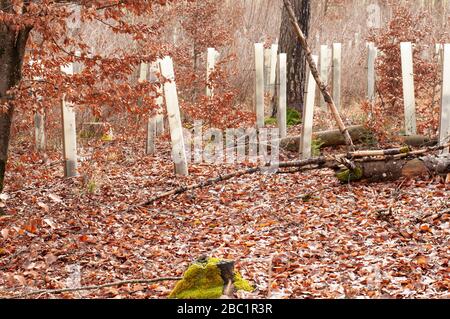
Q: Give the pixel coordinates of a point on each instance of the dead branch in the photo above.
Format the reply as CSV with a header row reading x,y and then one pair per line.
x,y
320,161
95,287
333,162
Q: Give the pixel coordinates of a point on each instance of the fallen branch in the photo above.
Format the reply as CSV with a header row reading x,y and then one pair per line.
x,y
95,287
321,161
433,216
377,166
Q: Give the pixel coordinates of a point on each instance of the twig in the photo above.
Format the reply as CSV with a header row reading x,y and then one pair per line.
x,y
8,259
95,287
269,281
433,216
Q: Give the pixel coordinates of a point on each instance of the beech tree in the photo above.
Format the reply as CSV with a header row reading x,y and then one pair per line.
x,y
296,62
33,31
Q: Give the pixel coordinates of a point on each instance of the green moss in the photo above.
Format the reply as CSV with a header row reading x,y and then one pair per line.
x,y
270,121
202,280
240,283
86,134
91,186
405,150
293,117
347,176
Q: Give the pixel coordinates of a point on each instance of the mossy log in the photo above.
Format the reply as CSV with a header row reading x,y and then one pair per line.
x,y
359,133
208,278
392,169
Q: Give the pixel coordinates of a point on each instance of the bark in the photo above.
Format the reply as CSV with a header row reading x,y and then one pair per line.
x,y
226,272
12,50
296,62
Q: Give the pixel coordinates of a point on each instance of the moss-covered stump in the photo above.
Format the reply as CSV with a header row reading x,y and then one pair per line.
x,y
204,280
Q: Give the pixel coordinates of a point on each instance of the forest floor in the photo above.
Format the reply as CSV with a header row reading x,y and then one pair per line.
x,y
303,234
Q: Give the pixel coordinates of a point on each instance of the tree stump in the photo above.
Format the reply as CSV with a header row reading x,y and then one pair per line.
x,y
209,278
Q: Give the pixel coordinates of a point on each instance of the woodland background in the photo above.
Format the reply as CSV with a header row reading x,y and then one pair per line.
x,y
295,235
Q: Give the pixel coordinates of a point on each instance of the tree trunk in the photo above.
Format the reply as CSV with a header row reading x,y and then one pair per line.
x,y
12,50
296,62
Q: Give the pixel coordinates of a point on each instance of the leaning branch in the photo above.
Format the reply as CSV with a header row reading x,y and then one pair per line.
x,y
313,67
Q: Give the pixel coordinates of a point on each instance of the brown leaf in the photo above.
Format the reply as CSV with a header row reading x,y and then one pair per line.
x,y
55,198
43,206
50,259
5,233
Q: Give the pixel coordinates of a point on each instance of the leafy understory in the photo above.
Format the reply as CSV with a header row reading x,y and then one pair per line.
x,y
304,233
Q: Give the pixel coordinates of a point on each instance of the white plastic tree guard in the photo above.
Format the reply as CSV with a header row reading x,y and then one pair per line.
x,y
337,66
155,72
69,131
408,88
324,66
371,74
173,113
39,120
282,95
211,59
259,83
308,116
273,73
444,130
143,71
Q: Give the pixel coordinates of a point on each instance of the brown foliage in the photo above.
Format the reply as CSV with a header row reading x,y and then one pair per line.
x,y
405,26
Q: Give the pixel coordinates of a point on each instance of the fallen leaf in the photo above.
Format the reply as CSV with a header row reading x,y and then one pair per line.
x,y
21,279
43,206
425,228
31,228
5,233
55,198
421,260
50,222
50,259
